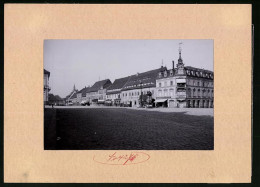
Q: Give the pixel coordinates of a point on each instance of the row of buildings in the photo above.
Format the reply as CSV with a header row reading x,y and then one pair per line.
x,y
181,86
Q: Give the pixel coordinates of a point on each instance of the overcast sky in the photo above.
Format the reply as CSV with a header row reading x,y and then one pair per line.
x,y
83,62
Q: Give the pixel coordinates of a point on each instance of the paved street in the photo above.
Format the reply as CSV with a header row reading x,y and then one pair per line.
x,y
98,128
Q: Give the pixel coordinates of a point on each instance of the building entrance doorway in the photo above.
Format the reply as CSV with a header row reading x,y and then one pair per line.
x,y
171,104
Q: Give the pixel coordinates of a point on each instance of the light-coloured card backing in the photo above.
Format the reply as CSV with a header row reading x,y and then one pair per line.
x,y
26,26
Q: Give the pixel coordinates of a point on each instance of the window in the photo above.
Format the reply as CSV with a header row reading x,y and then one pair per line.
x,y
160,84
160,92
165,84
198,84
171,92
126,94
165,92
160,75
171,72
165,73
138,93
171,83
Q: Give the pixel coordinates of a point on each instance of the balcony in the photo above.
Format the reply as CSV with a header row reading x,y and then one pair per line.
x,y
181,95
181,85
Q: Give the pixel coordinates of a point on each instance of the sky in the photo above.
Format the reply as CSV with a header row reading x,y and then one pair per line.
x,y
83,62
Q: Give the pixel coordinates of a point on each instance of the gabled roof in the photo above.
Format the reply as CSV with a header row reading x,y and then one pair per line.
x,y
47,72
71,94
148,79
84,90
74,96
118,83
99,85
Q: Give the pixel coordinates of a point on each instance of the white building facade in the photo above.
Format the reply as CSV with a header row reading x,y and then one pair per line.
x,y
46,87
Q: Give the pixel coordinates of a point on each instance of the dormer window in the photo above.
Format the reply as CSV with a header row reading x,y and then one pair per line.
x,y
171,72
165,73
160,75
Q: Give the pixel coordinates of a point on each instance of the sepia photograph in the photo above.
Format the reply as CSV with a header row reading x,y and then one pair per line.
x,y
128,94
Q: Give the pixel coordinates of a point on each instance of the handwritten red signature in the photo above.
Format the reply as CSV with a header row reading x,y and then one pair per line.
x,y
117,158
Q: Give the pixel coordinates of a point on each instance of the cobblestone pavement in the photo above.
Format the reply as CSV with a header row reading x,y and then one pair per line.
x,y
105,128
189,111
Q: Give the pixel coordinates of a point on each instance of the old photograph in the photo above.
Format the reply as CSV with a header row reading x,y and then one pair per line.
x,y
128,94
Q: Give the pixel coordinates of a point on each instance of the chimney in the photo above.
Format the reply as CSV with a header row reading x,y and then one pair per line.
x,y
173,64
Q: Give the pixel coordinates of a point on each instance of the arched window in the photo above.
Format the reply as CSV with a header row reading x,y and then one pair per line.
x,y
194,92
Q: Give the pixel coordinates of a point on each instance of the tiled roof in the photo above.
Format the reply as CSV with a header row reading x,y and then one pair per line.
x,y
197,72
84,90
113,92
71,93
118,83
197,69
47,72
98,85
74,95
168,73
148,80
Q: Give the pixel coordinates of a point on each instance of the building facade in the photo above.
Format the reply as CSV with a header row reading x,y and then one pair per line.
x,y
97,93
185,86
113,94
46,87
137,85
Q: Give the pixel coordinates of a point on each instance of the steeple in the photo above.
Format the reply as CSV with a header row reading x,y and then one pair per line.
x,y
180,65
180,49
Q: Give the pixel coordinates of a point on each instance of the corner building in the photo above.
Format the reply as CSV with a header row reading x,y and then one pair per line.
x,y
184,86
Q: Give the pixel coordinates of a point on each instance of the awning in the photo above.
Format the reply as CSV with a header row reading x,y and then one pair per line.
x,y
101,101
160,100
108,101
